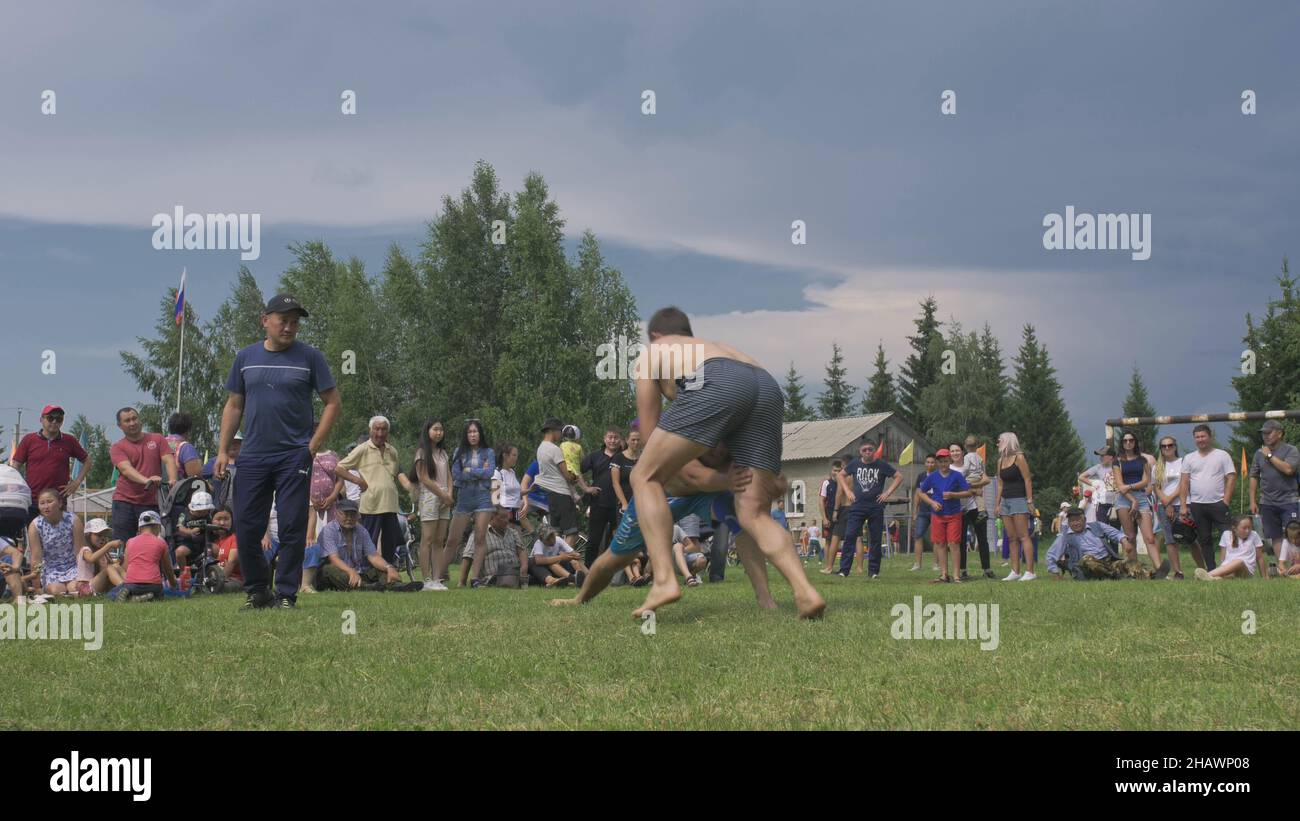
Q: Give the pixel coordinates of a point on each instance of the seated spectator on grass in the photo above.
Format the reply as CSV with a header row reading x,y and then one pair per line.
x,y
554,562
1084,555
147,560
1243,554
11,564
225,549
505,562
55,538
688,556
350,558
191,529
96,573
1288,553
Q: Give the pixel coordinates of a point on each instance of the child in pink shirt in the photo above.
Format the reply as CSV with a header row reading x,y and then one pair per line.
x,y
147,560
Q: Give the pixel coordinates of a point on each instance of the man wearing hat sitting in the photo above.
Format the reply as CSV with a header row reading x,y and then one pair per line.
x,y
1086,557
350,559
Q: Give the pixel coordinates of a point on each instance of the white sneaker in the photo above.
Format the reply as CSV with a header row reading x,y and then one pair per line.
x,y
1012,577
916,567
1028,577
934,568
433,584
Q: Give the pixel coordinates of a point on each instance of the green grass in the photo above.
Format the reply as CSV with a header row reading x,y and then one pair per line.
x,y
1100,655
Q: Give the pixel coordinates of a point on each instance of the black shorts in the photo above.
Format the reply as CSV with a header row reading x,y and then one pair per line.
x,y
841,519
563,514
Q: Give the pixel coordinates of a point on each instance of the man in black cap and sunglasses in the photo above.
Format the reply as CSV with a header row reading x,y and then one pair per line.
x,y
271,385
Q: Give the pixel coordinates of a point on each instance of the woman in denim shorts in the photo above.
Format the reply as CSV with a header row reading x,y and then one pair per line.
x,y
1132,474
472,466
1014,501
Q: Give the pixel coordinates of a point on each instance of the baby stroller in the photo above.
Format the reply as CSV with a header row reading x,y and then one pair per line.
x,y
173,501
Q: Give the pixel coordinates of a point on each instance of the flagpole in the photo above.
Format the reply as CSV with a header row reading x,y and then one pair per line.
x,y
180,366
180,318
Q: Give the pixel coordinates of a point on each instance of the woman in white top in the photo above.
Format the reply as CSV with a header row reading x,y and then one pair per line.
x,y
1167,472
1243,554
505,486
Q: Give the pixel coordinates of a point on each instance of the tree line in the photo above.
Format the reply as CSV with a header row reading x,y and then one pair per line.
x,y
489,319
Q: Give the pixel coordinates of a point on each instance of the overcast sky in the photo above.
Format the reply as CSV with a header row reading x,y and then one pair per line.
x,y
766,114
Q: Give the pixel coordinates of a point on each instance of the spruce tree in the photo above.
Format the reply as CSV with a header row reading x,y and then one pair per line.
x,y
1039,418
880,396
1137,403
838,396
1272,346
921,368
796,404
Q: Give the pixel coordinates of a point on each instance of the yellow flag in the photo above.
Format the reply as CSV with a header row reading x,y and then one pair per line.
x,y
905,458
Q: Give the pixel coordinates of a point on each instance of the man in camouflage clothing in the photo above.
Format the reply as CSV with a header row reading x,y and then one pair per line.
x,y
1085,556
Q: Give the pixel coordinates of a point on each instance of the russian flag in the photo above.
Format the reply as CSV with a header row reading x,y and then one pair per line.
x,y
180,300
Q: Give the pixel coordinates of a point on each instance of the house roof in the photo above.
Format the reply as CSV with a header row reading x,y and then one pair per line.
x,y
825,438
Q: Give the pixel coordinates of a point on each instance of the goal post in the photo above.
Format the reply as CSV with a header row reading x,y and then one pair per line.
x,y
1196,418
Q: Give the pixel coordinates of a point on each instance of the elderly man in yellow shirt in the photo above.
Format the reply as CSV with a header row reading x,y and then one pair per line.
x,y
372,466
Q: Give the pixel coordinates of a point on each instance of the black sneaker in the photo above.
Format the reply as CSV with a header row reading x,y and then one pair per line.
x,y
989,574
1178,576
258,601
965,577
1162,570
842,575
285,603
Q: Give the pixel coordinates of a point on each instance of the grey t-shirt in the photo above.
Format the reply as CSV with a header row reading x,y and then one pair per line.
x,y
549,477
1275,487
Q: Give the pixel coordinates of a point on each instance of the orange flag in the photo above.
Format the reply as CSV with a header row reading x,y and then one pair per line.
x,y
980,451
880,450
1244,469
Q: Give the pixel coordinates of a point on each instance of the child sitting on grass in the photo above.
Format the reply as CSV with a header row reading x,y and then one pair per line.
x,y
1243,553
147,560
96,573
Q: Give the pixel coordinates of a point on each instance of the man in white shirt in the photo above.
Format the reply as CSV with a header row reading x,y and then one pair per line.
x,y
557,480
553,561
1207,482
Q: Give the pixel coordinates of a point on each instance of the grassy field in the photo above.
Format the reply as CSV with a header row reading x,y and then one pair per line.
x,y
1101,655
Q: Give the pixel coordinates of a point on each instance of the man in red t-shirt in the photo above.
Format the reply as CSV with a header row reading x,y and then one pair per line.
x,y
45,454
139,458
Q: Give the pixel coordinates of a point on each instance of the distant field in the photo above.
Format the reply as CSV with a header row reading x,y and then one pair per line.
x,y
1102,655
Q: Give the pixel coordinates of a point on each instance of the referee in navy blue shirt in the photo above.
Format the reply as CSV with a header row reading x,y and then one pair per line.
x,y
270,385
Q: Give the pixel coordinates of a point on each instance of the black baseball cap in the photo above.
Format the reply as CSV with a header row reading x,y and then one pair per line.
x,y
1105,450
347,506
1271,424
552,424
283,304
